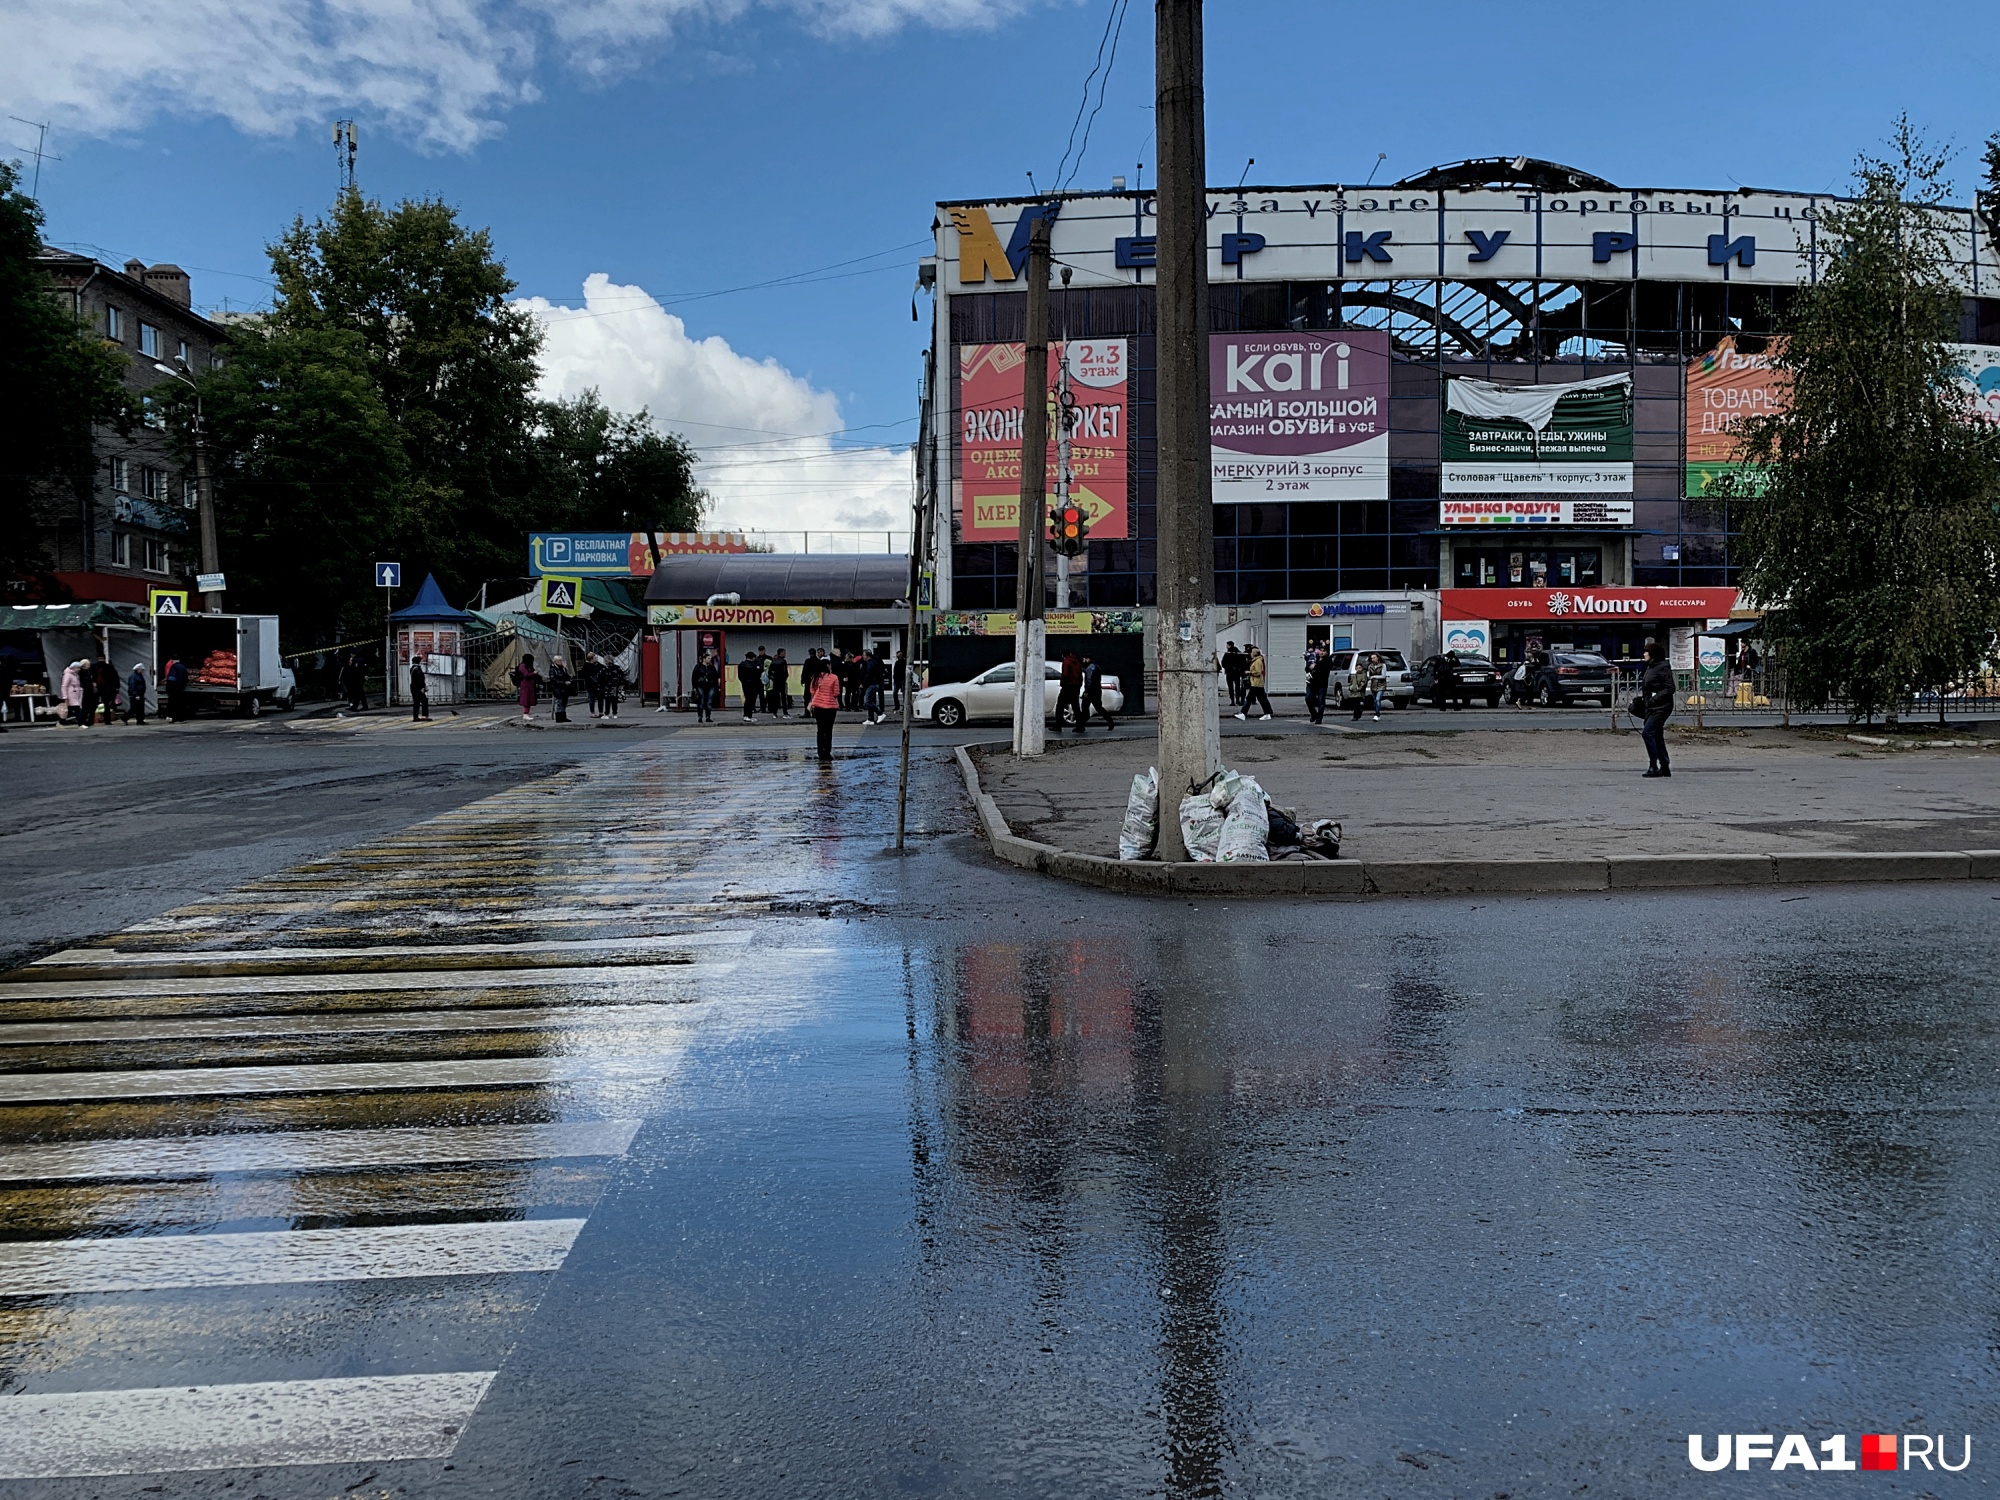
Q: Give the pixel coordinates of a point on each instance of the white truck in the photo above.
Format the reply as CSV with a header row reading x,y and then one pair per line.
x,y
232,661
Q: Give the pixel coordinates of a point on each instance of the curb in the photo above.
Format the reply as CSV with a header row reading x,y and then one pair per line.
x,y
1464,877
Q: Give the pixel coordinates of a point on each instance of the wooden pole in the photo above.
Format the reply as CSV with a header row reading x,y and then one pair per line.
x,y
1030,639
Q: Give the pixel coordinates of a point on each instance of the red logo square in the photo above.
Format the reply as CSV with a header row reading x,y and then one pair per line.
x,y
1878,1450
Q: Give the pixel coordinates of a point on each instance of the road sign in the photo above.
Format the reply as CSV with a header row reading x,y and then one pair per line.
x,y
388,575
167,601
561,596
211,583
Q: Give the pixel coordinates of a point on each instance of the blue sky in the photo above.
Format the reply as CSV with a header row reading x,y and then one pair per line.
x,y
687,146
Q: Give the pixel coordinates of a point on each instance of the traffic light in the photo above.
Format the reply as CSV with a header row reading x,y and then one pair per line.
x,y
1069,529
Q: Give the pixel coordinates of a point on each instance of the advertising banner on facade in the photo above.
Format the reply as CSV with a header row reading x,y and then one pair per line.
x,y
1469,637
1724,386
1566,604
989,399
1571,437
620,554
684,616
1299,416
1978,376
1055,621
1711,665
1516,510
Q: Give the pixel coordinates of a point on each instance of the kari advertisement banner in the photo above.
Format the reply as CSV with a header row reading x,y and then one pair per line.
x,y
989,399
1724,386
1299,416
1978,376
1574,437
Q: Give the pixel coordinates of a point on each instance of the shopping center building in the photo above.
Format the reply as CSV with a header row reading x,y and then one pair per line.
x,y
1504,382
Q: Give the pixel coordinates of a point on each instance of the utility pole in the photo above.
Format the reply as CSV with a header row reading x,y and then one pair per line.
x,y
1190,737
1065,424
1030,626
204,499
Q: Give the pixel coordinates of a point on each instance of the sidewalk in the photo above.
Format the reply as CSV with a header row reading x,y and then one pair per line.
x,y
1570,793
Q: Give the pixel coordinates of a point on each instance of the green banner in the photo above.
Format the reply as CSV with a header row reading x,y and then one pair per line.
x,y
1576,437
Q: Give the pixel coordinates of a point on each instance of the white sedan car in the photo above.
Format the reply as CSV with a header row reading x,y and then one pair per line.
x,y
990,695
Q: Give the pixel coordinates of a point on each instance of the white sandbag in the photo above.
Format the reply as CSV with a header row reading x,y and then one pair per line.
x,y
1246,829
1141,833
1201,827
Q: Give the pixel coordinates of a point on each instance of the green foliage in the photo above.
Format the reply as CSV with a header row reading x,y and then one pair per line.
x,y
385,408
56,379
1874,542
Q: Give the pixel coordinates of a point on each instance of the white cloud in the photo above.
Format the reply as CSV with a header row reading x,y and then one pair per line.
x,y
439,71
764,434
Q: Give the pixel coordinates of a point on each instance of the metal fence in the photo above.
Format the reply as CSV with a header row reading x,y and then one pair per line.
x,y
1765,694
490,659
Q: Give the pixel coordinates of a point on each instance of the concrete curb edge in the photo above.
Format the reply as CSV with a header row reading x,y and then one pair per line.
x,y
1442,877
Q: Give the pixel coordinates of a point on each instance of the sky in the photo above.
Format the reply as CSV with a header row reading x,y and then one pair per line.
x,y
649,167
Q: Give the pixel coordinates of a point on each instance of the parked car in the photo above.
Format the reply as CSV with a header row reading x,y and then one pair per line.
x,y
990,695
1561,680
1401,693
1477,678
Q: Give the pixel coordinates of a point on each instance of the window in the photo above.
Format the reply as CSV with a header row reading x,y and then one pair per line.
x,y
121,474
114,323
149,340
152,482
182,353
1531,567
121,549
156,556
190,496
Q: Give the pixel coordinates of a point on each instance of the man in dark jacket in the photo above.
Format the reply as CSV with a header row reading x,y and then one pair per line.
x,y
750,682
174,681
420,690
107,688
135,695
1233,663
1069,693
1093,697
1317,677
706,681
1656,702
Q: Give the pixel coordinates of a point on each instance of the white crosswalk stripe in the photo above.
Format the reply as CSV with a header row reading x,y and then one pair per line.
x,y
251,1099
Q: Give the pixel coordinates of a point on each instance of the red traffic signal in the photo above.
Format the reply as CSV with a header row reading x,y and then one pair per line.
x,y
1069,527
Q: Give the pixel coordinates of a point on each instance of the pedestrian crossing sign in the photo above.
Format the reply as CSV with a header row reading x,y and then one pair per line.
x,y
166,602
561,596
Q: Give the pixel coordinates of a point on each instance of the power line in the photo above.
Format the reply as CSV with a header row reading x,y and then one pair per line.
x,y
1114,28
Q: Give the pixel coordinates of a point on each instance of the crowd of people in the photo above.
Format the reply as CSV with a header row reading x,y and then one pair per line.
x,y
603,682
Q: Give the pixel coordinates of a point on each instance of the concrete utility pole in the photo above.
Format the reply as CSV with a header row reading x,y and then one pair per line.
x,y
1030,627
1190,737
1065,425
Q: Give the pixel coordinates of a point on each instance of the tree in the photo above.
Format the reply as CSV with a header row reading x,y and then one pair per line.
x,y
600,470
1874,540
56,381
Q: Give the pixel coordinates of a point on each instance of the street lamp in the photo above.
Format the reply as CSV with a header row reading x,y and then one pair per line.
x,y
211,554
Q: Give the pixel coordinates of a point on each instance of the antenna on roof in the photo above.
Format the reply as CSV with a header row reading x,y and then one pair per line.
x,y
1380,157
40,152
345,147
1245,172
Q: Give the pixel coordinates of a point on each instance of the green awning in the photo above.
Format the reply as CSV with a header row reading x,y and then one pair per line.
x,y
71,616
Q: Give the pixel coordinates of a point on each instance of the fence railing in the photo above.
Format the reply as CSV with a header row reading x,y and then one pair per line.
x,y
1765,692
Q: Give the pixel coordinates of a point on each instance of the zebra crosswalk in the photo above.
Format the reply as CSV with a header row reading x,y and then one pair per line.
x,y
284,1172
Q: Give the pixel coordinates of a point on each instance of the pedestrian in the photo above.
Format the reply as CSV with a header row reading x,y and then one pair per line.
x,y
87,677
420,691
611,686
1318,675
874,681
1747,662
897,682
825,707
1093,698
1445,678
562,682
781,684
174,679
1367,682
1253,686
135,695
705,679
586,673
1069,693
72,692
1655,704
749,681
850,681
6,689
809,673
1233,662
524,684
106,677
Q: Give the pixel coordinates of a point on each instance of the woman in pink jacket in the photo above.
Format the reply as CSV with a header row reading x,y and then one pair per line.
x,y
825,706
72,690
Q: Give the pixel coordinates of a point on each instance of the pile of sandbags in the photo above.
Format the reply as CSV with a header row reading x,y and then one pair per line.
x,y
218,669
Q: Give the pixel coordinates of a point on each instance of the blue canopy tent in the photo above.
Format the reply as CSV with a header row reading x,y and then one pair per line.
x,y
431,629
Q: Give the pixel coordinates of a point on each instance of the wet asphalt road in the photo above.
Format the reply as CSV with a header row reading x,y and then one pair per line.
x,y
767,1163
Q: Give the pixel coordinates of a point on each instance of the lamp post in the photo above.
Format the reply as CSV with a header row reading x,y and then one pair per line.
x,y
211,553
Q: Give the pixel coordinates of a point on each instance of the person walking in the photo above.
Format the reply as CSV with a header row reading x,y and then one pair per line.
x,y
874,682
1655,704
1447,693
1093,698
704,679
174,680
525,679
1069,693
781,684
420,691
749,682
586,673
1319,673
809,673
825,707
72,692
1370,678
87,677
1233,662
897,680
135,695
1253,686
562,682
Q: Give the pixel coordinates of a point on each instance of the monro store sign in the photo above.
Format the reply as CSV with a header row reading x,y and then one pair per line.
x,y
1572,604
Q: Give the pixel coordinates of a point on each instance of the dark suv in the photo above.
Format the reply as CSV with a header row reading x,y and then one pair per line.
x,y
1477,678
1562,679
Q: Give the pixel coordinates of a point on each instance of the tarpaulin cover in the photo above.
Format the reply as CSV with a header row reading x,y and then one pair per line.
x,y
1534,405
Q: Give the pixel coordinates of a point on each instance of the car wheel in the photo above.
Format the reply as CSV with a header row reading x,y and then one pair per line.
x,y
1545,697
255,707
948,714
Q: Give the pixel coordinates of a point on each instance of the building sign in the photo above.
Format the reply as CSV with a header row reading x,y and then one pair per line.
x,y
1501,605
989,399
1711,664
1522,511
1299,416
1469,637
685,616
1055,622
1977,375
1572,436
620,554
1336,608
1724,386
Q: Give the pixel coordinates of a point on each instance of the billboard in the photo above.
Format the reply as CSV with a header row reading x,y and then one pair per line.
x,y
685,616
619,554
1724,386
1299,416
1534,511
1575,436
1978,377
1564,604
989,432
